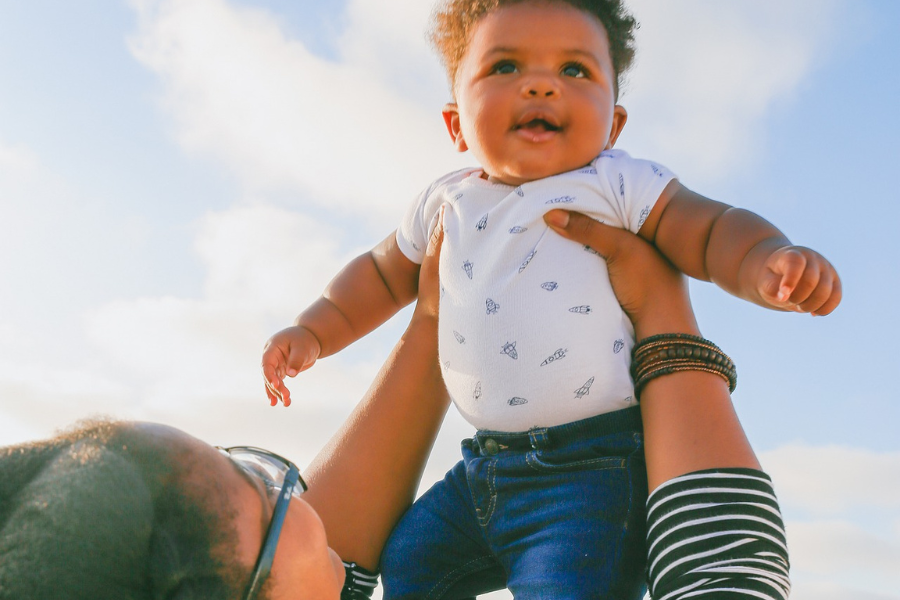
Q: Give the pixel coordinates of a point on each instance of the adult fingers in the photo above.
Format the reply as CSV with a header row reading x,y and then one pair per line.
x,y
437,235
605,240
429,279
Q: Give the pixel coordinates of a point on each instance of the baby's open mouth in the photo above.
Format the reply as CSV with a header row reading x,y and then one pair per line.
x,y
538,125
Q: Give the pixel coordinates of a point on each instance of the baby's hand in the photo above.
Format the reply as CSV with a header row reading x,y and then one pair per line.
x,y
801,280
287,353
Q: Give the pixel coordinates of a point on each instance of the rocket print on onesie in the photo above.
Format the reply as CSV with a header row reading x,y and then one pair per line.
x,y
531,334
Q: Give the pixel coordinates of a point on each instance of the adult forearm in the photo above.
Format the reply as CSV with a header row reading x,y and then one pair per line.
x,y
689,419
366,477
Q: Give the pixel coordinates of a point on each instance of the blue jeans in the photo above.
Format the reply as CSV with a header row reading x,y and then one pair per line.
x,y
556,512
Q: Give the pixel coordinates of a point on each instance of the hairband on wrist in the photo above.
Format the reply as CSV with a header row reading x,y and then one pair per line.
x,y
667,353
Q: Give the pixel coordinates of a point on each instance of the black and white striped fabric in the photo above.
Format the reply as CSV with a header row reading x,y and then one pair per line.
x,y
359,582
717,534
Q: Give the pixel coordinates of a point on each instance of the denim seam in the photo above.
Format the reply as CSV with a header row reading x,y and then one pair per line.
x,y
638,438
542,467
492,488
440,588
620,545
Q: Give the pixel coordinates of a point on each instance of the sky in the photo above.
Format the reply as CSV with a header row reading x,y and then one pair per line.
x,y
179,178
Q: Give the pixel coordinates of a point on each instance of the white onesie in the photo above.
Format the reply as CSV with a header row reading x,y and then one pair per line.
x,y
530,331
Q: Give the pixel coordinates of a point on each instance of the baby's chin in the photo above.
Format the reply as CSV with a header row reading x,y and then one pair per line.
x,y
521,176
537,162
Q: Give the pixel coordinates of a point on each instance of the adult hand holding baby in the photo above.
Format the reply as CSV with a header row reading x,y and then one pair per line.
x,y
659,296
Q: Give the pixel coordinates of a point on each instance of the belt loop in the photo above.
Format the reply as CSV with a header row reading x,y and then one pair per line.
x,y
538,437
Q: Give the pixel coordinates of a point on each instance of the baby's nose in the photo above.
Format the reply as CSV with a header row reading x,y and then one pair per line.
x,y
541,86
535,91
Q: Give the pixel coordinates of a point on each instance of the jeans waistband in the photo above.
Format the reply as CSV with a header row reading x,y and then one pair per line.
x,y
541,438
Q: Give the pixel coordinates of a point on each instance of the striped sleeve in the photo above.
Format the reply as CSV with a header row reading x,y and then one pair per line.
x,y
717,534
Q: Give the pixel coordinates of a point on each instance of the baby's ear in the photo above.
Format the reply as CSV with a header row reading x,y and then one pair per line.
x,y
620,115
451,120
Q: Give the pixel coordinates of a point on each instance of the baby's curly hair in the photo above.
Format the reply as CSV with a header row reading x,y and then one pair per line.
x,y
453,21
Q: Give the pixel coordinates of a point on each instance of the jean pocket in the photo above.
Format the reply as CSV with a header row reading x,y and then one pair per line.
x,y
604,452
481,474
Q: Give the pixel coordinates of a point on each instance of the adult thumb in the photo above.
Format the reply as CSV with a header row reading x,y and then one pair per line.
x,y
580,228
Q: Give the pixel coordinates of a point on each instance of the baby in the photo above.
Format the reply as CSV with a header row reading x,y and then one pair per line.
x,y
535,350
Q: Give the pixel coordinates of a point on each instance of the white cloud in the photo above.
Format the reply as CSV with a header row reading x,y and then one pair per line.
x,y
240,91
837,559
14,430
832,591
832,479
388,40
20,177
830,547
17,163
36,399
708,75
263,266
841,549
193,362
265,259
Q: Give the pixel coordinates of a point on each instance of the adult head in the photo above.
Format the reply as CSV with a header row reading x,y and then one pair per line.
x,y
136,510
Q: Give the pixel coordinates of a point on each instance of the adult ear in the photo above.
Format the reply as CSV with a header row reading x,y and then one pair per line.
x,y
451,120
620,115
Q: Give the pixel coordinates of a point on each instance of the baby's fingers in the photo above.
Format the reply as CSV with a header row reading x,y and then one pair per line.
x,y
811,289
273,397
833,300
273,374
819,284
791,265
826,295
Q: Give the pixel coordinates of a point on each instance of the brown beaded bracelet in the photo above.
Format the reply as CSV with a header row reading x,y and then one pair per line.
x,y
667,353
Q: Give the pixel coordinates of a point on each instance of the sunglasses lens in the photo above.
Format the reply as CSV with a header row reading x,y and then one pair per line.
x,y
269,469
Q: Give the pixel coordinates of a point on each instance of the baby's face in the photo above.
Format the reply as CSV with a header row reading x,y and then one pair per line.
x,y
535,92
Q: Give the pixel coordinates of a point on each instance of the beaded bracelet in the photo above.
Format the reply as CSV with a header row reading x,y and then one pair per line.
x,y
668,353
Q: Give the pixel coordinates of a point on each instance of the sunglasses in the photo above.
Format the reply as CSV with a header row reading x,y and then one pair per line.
x,y
282,480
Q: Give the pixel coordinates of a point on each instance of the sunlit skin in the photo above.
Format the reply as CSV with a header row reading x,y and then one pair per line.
x,y
304,567
535,97
535,93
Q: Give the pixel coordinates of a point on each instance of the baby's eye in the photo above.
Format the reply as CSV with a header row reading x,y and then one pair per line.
x,y
574,70
505,68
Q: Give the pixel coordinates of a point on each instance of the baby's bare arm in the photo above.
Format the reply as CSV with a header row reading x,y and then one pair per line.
x,y
365,294
741,252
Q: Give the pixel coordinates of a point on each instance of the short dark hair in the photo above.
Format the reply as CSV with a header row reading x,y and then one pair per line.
x,y
97,512
453,21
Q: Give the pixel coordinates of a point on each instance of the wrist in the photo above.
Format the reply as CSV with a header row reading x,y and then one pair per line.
x,y
660,327
308,338
666,317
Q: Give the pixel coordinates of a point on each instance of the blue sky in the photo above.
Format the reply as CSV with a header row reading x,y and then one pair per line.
x,y
179,178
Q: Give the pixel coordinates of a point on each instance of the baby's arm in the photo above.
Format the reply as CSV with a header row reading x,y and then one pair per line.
x,y
365,294
741,252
